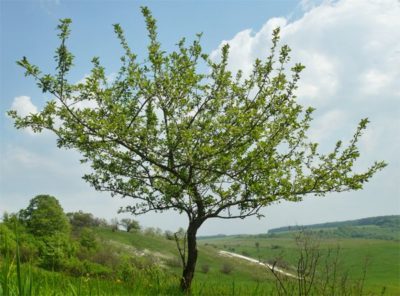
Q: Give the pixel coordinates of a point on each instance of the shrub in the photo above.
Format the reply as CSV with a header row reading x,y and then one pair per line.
x,y
74,267
169,235
97,270
7,239
205,268
81,219
107,257
144,262
226,268
88,239
173,262
53,251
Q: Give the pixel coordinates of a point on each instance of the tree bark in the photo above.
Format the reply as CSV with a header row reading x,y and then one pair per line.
x,y
190,266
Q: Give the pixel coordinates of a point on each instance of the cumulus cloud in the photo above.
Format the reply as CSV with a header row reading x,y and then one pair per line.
x,y
326,124
351,53
351,50
24,106
344,44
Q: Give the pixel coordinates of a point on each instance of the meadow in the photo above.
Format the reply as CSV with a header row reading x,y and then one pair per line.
x,y
146,262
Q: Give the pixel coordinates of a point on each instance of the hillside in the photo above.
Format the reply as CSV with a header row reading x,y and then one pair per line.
x,y
100,257
382,227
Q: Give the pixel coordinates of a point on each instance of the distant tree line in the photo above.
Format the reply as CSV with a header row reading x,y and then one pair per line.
x,y
381,221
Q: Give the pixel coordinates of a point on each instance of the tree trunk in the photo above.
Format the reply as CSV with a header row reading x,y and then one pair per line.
x,y
189,268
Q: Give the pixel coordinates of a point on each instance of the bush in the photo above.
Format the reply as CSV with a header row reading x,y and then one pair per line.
x,y
80,219
88,239
97,270
126,270
7,239
173,262
107,257
275,247
74,267
53,251
226,268
169,235
144,262
205,268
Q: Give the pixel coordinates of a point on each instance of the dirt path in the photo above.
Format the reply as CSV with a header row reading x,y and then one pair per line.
x,y
270,266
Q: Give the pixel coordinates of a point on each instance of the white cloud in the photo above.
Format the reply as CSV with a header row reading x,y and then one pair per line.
x,y
24,106
327,124
351,50
375,81
19,156
344,44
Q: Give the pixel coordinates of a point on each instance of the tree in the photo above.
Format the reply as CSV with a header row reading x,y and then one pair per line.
x,y
210,145
45,217
130,224
46,221
81,219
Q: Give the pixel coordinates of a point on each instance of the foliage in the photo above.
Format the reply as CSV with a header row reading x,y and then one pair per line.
x,y
205,268
54,251
210,145
226,268
87,239
130,224
45,217
81,219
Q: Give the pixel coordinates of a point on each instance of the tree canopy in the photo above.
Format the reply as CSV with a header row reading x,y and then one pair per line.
x,y
44,216
211,144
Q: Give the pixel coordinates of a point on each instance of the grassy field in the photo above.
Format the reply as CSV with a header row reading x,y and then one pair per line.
x,y
160,268
383,256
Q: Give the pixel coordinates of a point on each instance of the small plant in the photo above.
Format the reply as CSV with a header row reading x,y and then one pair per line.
x,y
205,268
226,268
275,247
173,262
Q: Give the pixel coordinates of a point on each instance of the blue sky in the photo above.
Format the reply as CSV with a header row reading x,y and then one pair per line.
x,y
351,49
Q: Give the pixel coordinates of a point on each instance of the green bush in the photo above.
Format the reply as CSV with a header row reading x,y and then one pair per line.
x,y
126,270
7,241
174,262
97,270
205,268
53,251
87,239
74,267
226,268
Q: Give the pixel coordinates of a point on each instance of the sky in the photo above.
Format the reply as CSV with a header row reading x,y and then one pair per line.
x,y
351,50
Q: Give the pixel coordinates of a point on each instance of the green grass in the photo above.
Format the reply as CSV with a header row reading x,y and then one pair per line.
x,y
245,278
243,272
383,269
